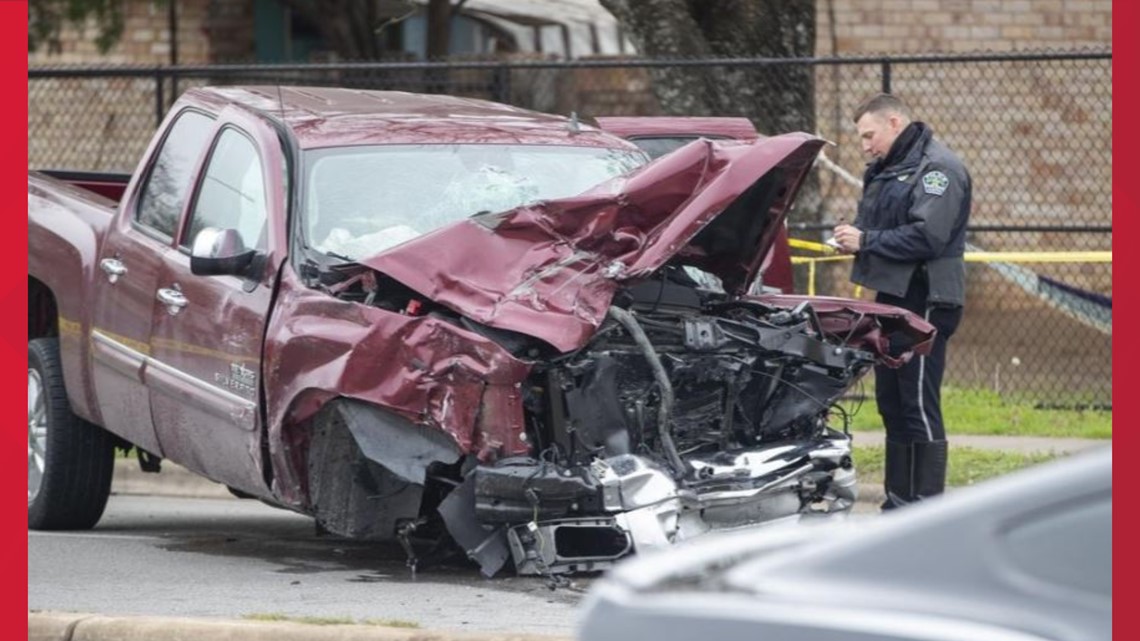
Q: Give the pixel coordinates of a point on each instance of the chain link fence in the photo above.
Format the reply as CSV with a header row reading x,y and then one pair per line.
x,y
1035,130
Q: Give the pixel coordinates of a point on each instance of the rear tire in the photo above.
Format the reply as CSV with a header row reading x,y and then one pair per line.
x,y
70,461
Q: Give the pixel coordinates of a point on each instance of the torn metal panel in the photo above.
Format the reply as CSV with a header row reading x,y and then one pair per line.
x,y
486,545
500,428
403,448
550,269
430,372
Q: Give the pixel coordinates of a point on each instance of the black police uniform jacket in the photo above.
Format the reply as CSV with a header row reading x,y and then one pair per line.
x,y
913,215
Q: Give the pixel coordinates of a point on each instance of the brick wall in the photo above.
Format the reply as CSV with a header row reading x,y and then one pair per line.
x,y
229,30
116,116
208,31
924,26
1013,123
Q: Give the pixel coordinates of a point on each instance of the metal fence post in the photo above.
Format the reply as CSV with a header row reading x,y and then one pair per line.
x,y
159,98
502,83
886,76
173,17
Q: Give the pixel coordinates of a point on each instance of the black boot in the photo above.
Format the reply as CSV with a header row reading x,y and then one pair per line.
x,y
929,468
898,475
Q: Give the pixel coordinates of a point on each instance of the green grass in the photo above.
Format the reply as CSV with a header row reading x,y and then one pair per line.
x,y
967,465
984,412
276,616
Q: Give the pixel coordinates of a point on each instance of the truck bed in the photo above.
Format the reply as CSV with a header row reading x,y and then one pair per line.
x,y
107,185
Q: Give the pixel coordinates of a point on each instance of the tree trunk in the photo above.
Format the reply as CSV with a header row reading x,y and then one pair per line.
x,y
778,98
348,27
438,29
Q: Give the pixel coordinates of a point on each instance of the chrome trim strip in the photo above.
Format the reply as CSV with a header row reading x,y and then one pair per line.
x,y
117,356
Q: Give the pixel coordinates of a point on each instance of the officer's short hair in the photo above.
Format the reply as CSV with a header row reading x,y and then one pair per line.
x,y
880,104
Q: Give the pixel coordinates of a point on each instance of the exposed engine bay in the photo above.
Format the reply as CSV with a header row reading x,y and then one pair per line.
x,y
686,413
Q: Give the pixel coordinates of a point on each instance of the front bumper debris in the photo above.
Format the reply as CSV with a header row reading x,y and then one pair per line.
x,y
564,520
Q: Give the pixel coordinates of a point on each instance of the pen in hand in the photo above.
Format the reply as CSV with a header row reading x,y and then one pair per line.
x,y
832,242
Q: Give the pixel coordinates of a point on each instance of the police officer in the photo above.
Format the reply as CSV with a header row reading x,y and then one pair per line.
x,y
908,239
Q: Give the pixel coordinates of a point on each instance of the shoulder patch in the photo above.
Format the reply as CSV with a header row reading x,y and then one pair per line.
x,y
935,182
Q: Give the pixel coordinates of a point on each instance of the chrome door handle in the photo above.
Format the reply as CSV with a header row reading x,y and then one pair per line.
x,y
173,299
113,267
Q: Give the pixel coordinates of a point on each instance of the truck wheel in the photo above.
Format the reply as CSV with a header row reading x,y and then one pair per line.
x,y
70,461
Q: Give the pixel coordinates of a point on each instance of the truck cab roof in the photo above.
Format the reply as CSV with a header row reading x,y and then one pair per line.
x,y
322,117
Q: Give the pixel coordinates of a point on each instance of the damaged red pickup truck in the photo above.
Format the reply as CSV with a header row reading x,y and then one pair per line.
x,y
434,319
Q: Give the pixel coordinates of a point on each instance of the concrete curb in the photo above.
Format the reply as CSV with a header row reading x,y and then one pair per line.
x,y
69,626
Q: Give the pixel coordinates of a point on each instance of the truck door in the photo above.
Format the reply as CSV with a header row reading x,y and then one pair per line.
x,y
208,331
127,277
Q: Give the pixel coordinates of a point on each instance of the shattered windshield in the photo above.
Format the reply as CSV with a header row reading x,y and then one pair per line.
x,y
360,201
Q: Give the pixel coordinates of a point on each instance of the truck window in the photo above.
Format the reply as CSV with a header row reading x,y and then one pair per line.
x,y
362,200
164,192
232,194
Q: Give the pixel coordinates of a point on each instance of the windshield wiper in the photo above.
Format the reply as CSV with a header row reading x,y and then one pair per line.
x,y
340,257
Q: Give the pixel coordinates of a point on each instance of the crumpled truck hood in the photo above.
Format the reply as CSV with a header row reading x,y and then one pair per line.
x,y
550,269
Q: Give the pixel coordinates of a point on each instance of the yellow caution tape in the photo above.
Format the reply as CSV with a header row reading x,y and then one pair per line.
x,y
829,256
1039,257
796,243
993,257
800,260
971,257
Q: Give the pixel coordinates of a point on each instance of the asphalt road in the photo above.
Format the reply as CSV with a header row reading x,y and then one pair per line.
x,y
229,558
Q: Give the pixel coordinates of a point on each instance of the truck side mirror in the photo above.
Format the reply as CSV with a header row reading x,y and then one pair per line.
x,y
219,252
